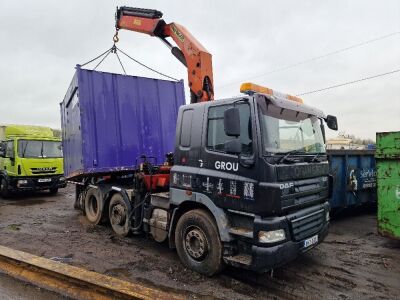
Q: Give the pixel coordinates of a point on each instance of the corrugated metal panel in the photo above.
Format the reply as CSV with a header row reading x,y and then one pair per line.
x,y
354,177
109,120
388,166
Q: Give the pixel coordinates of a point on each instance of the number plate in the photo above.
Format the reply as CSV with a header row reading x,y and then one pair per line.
x,y
44,180
311,241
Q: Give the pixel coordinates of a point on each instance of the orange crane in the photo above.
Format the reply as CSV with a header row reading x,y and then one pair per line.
x,y
188,50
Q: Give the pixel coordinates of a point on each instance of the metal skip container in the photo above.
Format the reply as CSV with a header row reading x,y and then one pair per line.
x,y
109,120
388,167
354,177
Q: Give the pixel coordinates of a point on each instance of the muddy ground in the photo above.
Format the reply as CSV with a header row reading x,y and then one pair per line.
x,y
353,262
13,289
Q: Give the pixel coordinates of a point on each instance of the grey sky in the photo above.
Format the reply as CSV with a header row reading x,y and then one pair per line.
x,y
42,41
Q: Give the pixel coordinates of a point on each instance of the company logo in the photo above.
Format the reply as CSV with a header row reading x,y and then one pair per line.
x,y
226,166
44,169
178,34
286,185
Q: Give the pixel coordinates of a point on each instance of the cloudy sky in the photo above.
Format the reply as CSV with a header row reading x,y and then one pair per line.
x,y
42,41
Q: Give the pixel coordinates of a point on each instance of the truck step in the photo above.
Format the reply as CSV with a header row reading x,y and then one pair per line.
x,y
240,260
160,200
241,231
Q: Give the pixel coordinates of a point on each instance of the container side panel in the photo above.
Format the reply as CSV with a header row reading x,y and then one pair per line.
x,y
354,174
388,165
388,144
71,130
389,197
123,117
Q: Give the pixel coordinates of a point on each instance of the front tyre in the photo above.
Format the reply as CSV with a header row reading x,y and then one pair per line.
x,y
4,193
197,242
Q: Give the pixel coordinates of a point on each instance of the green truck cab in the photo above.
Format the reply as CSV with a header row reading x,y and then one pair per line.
x,y
30,159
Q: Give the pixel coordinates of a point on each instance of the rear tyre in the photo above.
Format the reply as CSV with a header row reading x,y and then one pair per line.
x,y
53,191
4,188
93,206
197,242
118,212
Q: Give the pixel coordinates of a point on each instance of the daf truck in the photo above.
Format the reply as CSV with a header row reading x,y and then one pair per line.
x,y
247,181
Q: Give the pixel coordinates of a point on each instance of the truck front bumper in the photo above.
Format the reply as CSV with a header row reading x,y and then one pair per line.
x,y
267,258
304,229
21,184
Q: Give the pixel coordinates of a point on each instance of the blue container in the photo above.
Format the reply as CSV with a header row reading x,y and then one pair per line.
x,y
108,120
354,177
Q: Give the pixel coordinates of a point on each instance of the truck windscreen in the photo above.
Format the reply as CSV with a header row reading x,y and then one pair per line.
x,y
39,149
285,130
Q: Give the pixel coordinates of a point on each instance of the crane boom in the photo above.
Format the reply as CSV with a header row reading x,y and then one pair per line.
x,y
188,50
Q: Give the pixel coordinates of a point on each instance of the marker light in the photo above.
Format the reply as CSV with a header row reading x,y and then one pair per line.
x,y
251,88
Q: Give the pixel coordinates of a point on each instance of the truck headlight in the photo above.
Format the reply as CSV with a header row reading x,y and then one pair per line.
x,y
22,181
327,216
271,236
62,178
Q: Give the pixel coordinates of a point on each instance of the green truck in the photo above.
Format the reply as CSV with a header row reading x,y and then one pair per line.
x,y
30,159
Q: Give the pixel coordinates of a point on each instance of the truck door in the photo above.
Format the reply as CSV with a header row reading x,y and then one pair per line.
x,y
9,159
222,178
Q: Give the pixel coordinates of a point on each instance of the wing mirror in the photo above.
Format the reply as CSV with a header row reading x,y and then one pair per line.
x,y
233,146
331,121
232,122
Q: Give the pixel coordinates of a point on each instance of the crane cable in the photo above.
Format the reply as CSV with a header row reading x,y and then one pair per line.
x,y
114,49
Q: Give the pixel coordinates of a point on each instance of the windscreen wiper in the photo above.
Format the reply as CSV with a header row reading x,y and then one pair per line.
x,y
288,153
315,157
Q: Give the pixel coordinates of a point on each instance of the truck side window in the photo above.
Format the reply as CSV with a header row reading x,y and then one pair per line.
x,y
10,149
186,129
216,137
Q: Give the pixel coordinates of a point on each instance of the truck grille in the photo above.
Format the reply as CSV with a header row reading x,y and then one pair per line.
x,y
306,226
50,170
306,191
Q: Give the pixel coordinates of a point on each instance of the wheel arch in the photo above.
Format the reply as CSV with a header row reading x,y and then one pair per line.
x,y
201,202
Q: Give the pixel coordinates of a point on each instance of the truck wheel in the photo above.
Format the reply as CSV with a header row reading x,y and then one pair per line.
x,y
93,206
4,188
119,212
53,191
197,242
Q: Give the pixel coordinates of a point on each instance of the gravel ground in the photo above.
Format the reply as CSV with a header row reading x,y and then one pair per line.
x,y
353,262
